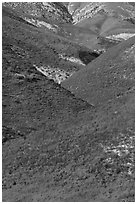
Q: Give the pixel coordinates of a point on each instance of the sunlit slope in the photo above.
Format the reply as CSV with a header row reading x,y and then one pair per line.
x,y
56,146
108,77
106,21
98,26
43,48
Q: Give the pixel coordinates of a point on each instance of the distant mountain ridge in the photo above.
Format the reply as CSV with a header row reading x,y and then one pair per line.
x,y
96,25
111,20
81,11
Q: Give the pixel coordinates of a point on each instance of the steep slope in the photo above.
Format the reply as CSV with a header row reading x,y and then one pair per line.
x,y
56,146
46,50
97,26
81,11
46,11
109,76
107,23
59,148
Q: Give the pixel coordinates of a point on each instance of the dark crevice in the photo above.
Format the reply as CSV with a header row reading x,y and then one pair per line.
x,y
9,134
87,57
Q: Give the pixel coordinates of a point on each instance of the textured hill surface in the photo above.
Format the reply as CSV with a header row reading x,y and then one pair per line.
x,y
68,107
52,12
109,76
98,26
58,56
81,11
106,23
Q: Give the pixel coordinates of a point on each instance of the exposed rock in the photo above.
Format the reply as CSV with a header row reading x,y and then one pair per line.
x,y
54,73
52,12
72,59
82,11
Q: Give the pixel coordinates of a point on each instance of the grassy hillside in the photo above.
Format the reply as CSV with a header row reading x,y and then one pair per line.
x,y
57,146
42,46
109,76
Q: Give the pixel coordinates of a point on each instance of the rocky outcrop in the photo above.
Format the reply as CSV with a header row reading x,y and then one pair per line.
x,y
92,20
46,11
81,11
54,73
111,20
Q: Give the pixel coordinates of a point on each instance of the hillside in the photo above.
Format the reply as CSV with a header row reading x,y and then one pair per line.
x,y
105,23
67,104
109,76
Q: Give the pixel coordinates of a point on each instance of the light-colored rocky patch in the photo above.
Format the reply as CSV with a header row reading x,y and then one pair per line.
x,y
124,148
121,36
71,59
56,74
41,23
129,53
87,12
91,9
